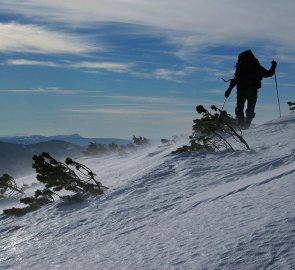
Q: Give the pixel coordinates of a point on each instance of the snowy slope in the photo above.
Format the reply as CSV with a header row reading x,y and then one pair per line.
x,y
189,211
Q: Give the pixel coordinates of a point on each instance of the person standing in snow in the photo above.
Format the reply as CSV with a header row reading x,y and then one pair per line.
x,y
247,78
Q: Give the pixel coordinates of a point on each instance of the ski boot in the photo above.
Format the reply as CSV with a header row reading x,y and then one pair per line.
x,y
240,122
247,123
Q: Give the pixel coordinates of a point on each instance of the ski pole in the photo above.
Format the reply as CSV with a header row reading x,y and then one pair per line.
x,y
278,94
223,104
222,107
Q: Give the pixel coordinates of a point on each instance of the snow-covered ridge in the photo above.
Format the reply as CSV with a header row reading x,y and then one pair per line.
x,y
190,211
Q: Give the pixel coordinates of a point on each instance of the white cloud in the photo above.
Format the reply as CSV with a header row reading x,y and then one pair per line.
x,y
30,38
120,111
108,66
54,90
166,74
117,67
24,62
208,22
163,73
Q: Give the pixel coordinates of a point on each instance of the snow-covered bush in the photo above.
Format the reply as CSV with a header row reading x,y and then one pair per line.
x,y
171,141
8,185
70,176
215,131
95,149
291,106
140,141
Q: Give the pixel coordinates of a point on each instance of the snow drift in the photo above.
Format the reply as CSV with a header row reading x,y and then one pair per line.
x,y
190,211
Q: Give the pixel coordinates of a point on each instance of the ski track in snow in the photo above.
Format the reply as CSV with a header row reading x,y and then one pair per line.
x,y
190,211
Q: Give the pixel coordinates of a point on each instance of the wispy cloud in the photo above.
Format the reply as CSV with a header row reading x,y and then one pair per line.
x,y
108,66
121,111
54,90
166,74
24,62
153,100
117,67
208,22
143,99
163,73
216,91
20,38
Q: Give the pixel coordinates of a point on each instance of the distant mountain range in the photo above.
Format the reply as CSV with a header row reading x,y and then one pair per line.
x,y
74,138
16,152
16,159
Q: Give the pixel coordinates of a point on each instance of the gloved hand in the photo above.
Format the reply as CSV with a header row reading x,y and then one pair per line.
x,y
227,93
274,64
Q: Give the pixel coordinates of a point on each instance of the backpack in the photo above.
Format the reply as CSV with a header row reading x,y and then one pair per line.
x,y
248,71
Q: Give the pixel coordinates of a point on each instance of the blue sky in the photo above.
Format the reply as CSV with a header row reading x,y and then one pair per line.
x,y
114,68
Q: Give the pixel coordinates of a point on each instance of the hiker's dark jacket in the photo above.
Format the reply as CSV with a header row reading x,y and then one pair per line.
x,y
250,80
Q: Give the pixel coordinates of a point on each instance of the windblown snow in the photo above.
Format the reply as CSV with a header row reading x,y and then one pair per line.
x,y
162,211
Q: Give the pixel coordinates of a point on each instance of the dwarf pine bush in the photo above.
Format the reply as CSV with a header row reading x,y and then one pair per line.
x,y
96,149
8,185
291,106
214,131
70,176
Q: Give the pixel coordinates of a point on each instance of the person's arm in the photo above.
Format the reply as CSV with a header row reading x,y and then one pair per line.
x,y
233,83
268,73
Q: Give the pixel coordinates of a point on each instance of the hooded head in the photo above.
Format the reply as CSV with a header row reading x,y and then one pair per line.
x,y
246,56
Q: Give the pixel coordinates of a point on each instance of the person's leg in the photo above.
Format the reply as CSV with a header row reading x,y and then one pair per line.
x,y
241,99
251,103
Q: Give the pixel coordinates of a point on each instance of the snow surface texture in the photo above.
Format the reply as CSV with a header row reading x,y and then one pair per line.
x,y
190,211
